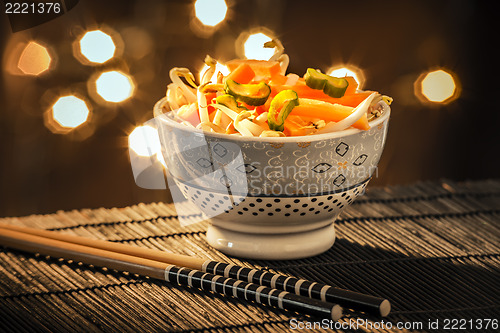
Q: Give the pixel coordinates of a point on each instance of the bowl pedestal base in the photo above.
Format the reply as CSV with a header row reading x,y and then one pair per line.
x,y
276,246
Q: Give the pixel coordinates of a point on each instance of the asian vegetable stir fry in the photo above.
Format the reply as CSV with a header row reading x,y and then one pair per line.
x,y
258,98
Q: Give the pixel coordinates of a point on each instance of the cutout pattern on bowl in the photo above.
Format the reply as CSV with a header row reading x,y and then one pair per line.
x,y
273,210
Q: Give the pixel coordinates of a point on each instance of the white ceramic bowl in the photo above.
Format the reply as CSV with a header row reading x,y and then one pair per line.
x,y
271,198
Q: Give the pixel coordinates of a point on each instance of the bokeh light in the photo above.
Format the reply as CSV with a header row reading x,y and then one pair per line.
x,y
144,141
70,111
159,157
210,12
97,46
254,47
114,86
438,86
218,68
348,70
34,60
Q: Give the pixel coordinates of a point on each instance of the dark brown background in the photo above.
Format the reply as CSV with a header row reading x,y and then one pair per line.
x,y
392,41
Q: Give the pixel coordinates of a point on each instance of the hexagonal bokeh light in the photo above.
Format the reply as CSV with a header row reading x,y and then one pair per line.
x,y
438,86
97,46
70,111
348,70
144,141
254,47
34,60
210,12
114,86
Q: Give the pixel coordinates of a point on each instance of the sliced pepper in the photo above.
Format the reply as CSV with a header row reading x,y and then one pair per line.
x,y
228,101
315,79
281,106
332,86
335,86
251,94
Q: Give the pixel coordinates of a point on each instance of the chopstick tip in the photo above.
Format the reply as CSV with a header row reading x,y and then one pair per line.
x,y
336,312
385,308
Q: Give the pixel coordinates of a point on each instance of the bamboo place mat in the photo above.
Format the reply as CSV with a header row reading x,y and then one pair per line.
x,y
431,248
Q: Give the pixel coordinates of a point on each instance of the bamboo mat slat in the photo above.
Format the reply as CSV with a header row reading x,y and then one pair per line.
x,y
432,248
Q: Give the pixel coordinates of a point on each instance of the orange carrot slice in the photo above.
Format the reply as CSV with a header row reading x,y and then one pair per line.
x,y
242,74
303,91
262,68
353,85
334,113
293,128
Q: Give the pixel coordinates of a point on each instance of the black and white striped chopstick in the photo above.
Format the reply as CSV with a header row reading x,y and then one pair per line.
x,y
59,243
171,273
252,292
350,299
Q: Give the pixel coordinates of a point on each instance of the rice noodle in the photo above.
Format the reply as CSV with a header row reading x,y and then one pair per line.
x,y
202,107
262,118
210,127
240,121
230,113
217,117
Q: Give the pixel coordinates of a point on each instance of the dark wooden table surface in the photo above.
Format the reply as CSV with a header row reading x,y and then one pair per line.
x,y
433,249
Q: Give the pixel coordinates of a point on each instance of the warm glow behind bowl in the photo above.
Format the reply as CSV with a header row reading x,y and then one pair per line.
x,y
254,47
348,71
114,86
70,111
144,141
97,46
210,12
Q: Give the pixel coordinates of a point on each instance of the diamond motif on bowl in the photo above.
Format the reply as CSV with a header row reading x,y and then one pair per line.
x,y
339,180
360,160
226,181
220,150
342,149
322,167
203,162
248,168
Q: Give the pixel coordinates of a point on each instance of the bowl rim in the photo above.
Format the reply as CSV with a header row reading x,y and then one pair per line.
x,y
163,116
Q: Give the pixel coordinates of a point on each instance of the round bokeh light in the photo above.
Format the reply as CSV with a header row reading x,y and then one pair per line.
x,y
210,12
114,86
97,46
70,111
144,141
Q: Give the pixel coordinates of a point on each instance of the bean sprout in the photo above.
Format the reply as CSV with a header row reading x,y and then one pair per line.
x,y
175,74
279,54
202,106
271,134
210,127
356,114
278,49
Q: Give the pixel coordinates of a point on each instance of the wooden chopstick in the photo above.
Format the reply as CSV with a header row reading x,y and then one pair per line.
x,y
353,300
170,273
